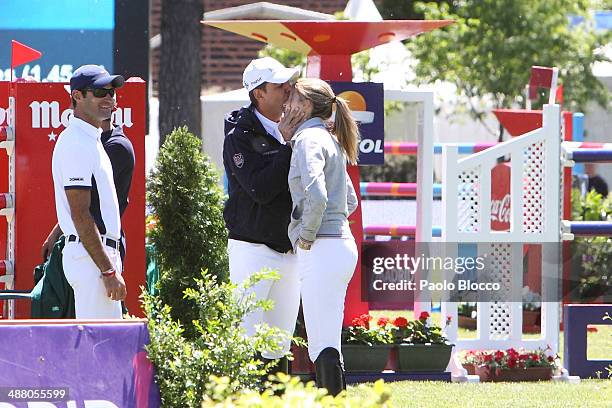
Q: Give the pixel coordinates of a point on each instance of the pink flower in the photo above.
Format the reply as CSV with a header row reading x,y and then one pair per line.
x,y
383,321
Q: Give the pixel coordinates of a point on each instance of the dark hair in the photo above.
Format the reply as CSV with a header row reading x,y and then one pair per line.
x,y
83,91
323,100
261,86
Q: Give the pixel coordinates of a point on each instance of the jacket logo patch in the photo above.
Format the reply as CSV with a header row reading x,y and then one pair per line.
x,y
239,160
76,179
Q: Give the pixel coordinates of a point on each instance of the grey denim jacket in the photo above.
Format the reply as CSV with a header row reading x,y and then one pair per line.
x,y
321,190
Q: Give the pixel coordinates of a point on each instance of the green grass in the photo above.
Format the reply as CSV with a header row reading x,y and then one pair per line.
x,y
599,345
589,393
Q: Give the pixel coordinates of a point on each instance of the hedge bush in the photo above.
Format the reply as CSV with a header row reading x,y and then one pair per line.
x,y
189,236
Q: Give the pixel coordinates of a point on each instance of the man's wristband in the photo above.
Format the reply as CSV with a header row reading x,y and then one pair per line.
x,y
108,273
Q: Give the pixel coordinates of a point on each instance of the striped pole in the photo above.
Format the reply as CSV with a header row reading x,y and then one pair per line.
x,y
378,189
410,148
599,155
589,228
397,230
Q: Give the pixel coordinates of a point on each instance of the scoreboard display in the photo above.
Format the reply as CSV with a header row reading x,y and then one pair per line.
x,y
69,34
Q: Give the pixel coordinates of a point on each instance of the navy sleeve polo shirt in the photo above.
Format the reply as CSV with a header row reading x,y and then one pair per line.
x,y
121,154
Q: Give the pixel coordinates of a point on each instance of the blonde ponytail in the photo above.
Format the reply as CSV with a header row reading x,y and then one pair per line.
x,y
346,130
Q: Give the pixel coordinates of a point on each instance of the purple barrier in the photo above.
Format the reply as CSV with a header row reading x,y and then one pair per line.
x,y
100,364
575,321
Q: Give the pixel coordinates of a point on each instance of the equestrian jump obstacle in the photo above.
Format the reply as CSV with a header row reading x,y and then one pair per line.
x,y
537,159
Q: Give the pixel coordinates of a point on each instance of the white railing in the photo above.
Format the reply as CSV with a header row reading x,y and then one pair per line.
x,y
535,218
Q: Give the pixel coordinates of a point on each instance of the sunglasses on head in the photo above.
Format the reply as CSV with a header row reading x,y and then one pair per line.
x,y
100,92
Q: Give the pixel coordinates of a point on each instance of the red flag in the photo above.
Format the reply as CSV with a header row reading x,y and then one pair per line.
x,y
541,77
559,95
21,54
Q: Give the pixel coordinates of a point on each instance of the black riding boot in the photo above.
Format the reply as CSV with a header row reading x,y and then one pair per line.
x,y
329,371
282,365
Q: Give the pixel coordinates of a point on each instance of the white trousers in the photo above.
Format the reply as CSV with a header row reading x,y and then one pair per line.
x,y
325,271
90,299
245,258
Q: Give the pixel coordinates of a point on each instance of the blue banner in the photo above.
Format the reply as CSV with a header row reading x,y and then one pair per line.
x,y
366,100
69,34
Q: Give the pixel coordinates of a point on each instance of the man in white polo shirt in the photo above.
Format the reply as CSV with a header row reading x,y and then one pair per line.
x,y
91,260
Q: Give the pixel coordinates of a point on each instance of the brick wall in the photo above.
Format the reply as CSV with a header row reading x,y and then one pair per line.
x,y
225,55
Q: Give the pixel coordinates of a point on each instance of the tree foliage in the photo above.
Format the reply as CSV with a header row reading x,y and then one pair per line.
x,y
190,234
492,45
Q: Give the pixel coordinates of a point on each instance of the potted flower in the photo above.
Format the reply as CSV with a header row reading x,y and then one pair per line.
x,y
421,346
531,310
470,361
516,365
466,314
366,347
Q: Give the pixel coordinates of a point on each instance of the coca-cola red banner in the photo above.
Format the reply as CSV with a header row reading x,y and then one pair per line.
x,y
500,197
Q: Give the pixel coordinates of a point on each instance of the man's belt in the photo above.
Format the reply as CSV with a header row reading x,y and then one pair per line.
x,y
106,241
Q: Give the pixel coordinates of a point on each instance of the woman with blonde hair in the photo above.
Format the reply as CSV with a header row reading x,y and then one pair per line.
x,y
323,198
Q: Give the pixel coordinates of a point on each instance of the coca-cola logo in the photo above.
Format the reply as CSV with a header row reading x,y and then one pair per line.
x,y
500,209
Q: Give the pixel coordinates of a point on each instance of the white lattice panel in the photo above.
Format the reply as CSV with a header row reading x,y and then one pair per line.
x,y
533,189
468,204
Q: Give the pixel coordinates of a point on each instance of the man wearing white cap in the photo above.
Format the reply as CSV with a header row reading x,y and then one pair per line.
x,y
256,158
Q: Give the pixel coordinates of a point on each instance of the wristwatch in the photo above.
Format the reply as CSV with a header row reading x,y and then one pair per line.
x,y
305,245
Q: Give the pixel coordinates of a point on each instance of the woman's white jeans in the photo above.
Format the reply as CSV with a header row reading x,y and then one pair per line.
x,y
325,271
90,298
246,258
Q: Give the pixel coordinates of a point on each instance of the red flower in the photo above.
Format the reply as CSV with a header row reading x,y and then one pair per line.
x,y
521,364
511,363
488,358
499,355
424,316
362,321
400,322
383,321
449,319
551,359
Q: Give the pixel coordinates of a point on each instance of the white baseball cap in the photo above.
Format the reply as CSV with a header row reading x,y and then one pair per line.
x,y
266,69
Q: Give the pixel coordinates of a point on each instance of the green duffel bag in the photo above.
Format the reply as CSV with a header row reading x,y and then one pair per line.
x,y
52,296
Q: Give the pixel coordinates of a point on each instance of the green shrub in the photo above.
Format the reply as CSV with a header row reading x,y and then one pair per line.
x,y
296,394
219,347
189,235
591,256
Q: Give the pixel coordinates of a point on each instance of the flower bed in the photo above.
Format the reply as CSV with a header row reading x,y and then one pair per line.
x,y
511,364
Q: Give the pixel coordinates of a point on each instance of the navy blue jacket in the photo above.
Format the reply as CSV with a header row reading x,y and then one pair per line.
x,y
258,209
